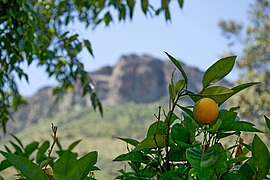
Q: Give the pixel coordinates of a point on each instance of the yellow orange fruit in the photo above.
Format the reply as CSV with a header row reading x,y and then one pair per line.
x,y
205,111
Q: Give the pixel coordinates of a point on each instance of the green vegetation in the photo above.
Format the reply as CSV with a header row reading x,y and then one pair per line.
x,y
190,145
97,134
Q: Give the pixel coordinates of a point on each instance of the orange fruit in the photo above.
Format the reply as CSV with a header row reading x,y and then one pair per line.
x,y
205,111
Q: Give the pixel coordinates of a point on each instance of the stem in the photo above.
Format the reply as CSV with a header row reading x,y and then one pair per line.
x,y
168,129
55,138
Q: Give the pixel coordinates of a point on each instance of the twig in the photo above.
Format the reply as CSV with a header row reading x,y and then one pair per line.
x,y
55,138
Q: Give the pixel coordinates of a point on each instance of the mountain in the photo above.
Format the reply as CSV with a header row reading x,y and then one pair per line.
x,y
134,78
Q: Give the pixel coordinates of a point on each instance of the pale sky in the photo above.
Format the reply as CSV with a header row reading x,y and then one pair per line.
x,y
192,36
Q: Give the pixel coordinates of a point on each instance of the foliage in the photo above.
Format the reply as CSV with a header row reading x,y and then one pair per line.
x,y
36,32
66,166
179,147
255,60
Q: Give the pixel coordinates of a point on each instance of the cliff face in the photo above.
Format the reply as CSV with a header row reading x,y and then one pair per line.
x,y
138,79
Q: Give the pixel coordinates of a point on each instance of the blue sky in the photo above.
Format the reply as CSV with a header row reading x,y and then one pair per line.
x,y
192,36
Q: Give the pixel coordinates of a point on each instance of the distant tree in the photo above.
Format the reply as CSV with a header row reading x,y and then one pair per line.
x,y
254,62
36,31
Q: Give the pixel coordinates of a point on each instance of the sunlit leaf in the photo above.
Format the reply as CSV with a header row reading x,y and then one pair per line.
x,y
218,70
217,93
179,67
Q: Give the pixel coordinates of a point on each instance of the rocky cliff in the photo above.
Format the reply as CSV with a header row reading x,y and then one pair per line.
x,y
138,79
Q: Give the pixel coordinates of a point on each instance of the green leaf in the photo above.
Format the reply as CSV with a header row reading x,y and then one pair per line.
x,y
18,140
179,86
267,121
218,71
74,144
88,46
195,97
63,167
238,126
261,157
85,164
203,163
237,159
217,93
217,125
30,148
179,67
154,141
107,18
181,3
246,171
27,167
131,5
180,133
169,175
191,125
158,127
239,88
144,5
42,150
4,165
134,156
172,92
129,141
221,163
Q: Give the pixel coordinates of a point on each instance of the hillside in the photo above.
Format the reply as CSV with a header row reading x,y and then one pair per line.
x,y
134,78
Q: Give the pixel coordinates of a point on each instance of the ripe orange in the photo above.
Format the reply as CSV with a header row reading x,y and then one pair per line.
x,y
205,111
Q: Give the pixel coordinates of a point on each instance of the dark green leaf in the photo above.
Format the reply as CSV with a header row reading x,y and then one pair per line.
x,y
261,157
42,150
4,165
217,125
74,144
63,167
144,5
88,46
267,121
129,141
179,67
181,3
131,5
218,70
30,148
237,159
158,127
27,167
221,163
18,140
169,175
132,156
238,126
155,141
203,163
180,133
85,164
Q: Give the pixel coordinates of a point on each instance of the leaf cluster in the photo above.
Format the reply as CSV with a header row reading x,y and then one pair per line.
x,y
178,147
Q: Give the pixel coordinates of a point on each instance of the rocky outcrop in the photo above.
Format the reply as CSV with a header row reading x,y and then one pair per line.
x,y
135,78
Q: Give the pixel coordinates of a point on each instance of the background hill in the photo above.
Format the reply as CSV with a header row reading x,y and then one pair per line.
x,y
138,79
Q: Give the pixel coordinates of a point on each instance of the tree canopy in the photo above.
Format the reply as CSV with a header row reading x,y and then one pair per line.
x,y
254,61
36,31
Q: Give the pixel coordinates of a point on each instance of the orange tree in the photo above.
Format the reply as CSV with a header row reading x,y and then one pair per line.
x,y
189,145
37,160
